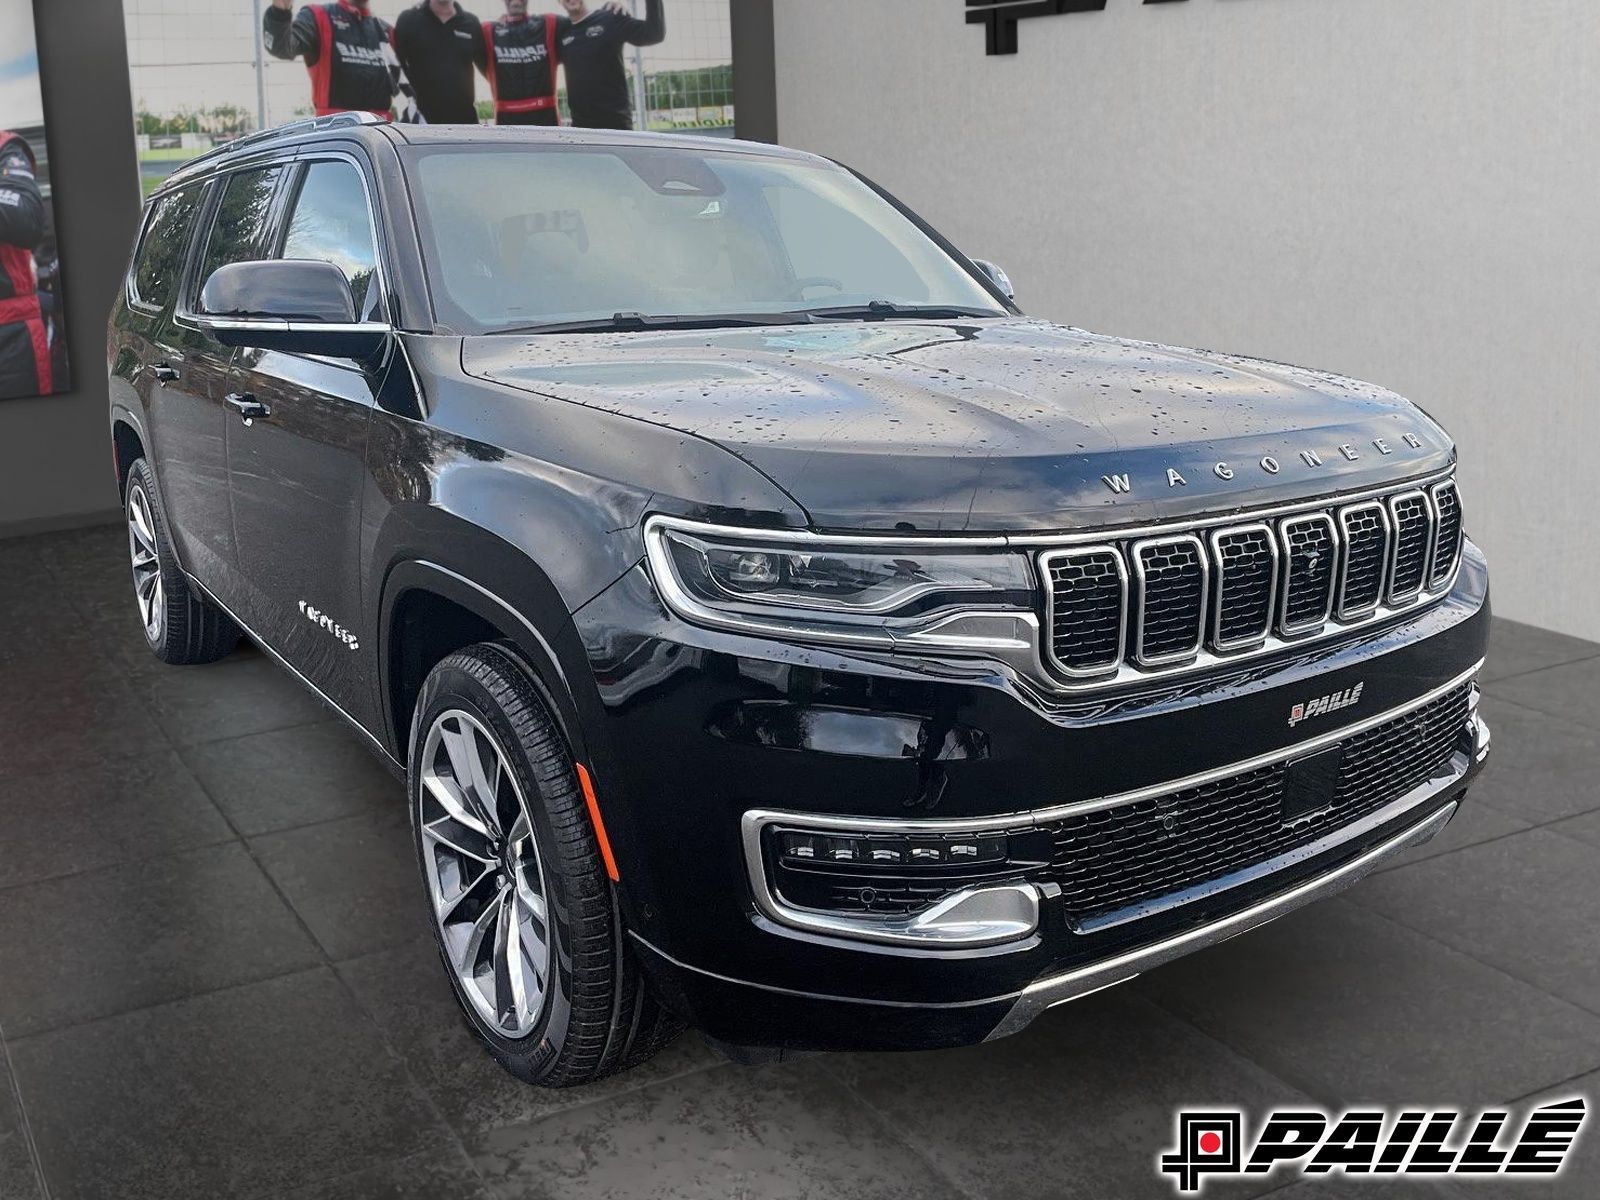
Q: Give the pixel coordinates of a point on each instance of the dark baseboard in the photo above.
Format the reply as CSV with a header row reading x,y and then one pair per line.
x,y
83,520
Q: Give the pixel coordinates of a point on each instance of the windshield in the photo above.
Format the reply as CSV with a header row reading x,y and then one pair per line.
x,y
568,234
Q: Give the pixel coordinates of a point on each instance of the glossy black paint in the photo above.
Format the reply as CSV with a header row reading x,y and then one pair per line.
x,y
292,290
452,488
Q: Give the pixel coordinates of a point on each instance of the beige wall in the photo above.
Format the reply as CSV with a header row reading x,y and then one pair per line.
x,y
1403,190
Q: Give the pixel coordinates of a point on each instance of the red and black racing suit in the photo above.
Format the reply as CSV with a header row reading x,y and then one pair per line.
x,y
343,47
24,346
520,64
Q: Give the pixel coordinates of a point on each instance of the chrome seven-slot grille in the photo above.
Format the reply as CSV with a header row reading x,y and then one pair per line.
x,y
1110,860
1155,603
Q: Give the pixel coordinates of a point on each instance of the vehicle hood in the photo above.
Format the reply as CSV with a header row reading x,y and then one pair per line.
x,y
986,425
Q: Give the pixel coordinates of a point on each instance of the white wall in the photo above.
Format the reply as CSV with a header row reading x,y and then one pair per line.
x,y
1402,190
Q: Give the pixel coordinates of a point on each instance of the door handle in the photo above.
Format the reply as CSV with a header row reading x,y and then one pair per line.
x,y
247,406
165,372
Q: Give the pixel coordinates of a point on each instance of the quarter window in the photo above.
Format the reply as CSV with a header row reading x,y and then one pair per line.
x,y
332,223
165,247
238,232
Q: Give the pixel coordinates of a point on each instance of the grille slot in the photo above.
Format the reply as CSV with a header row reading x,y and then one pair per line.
x,y
1310,559
1110,860
1447,538
1170,621
1245,563
1088,604
1413,538
1365,528
1166,600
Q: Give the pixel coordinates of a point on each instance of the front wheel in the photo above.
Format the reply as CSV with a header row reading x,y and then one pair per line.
x,y
524,916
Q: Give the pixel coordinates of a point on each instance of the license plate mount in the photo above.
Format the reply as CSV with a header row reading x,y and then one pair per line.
x,y
1310,784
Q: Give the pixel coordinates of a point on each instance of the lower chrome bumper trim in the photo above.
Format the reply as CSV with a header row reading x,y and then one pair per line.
x,y
1046,993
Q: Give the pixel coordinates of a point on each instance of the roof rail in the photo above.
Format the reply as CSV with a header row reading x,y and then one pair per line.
x,y
305,125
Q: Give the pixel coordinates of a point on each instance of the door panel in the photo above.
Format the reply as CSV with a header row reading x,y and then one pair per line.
x,y
181,378
296,478
297,472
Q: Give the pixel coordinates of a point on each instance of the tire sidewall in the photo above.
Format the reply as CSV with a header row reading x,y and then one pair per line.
x,y
451,687
142,479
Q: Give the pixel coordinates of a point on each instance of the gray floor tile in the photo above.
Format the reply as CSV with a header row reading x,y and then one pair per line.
x,y
1352,1007
1515,648
1338,1188
1474,822
1580,1176
1541,768
443,1175
241,695
65,711
1528,904
138,807
1585,828
238,1093
1567,692
86,946
406,991
773,1132
290,777
18,1178
1078,1105
354,881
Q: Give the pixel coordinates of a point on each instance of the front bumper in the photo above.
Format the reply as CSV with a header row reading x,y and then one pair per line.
x,y
706,738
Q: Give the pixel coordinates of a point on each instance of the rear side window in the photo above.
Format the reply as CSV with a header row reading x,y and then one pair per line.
x,y
165,247
239,231
332,223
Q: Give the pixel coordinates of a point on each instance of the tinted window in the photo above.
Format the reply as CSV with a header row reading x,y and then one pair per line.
x,y
165,247
332,223
238,232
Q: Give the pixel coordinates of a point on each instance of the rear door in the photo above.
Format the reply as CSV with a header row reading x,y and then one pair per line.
x,y
179,378
297,472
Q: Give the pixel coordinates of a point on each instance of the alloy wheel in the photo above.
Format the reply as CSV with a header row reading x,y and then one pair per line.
x,y
485,876
147,586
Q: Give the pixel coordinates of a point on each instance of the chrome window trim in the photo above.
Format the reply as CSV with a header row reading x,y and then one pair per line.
x,y
1172,657
1032,818
1314,624
1241,643
1048,633
1407,598
290,157
1341,610
1430,582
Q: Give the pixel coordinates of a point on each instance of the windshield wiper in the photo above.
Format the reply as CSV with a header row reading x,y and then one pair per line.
x,y
884,310
633,322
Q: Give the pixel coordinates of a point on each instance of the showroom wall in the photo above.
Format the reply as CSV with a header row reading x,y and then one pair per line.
x,y
55,455
1403,190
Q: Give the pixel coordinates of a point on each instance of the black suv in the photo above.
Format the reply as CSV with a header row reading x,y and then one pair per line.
x,y
778,632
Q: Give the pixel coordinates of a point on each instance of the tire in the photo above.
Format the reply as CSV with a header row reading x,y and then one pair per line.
x,y
180,626
583,1010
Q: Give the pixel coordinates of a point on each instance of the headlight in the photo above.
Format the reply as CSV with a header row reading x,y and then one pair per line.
x,y
855,591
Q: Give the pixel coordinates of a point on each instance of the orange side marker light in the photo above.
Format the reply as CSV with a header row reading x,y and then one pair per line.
x,y
587,785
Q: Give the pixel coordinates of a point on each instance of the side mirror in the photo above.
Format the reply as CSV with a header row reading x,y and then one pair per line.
x,y
997,277
295,305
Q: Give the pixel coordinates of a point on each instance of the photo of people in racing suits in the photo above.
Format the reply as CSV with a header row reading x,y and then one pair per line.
x,y
360,62
33,344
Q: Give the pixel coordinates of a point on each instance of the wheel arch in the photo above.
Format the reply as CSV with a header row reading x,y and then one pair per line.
x,y
128,445
431,609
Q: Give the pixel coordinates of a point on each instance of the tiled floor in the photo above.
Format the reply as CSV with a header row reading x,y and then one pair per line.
x,y
212,981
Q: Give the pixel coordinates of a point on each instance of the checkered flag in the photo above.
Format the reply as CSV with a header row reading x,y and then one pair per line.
x,y
405,100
